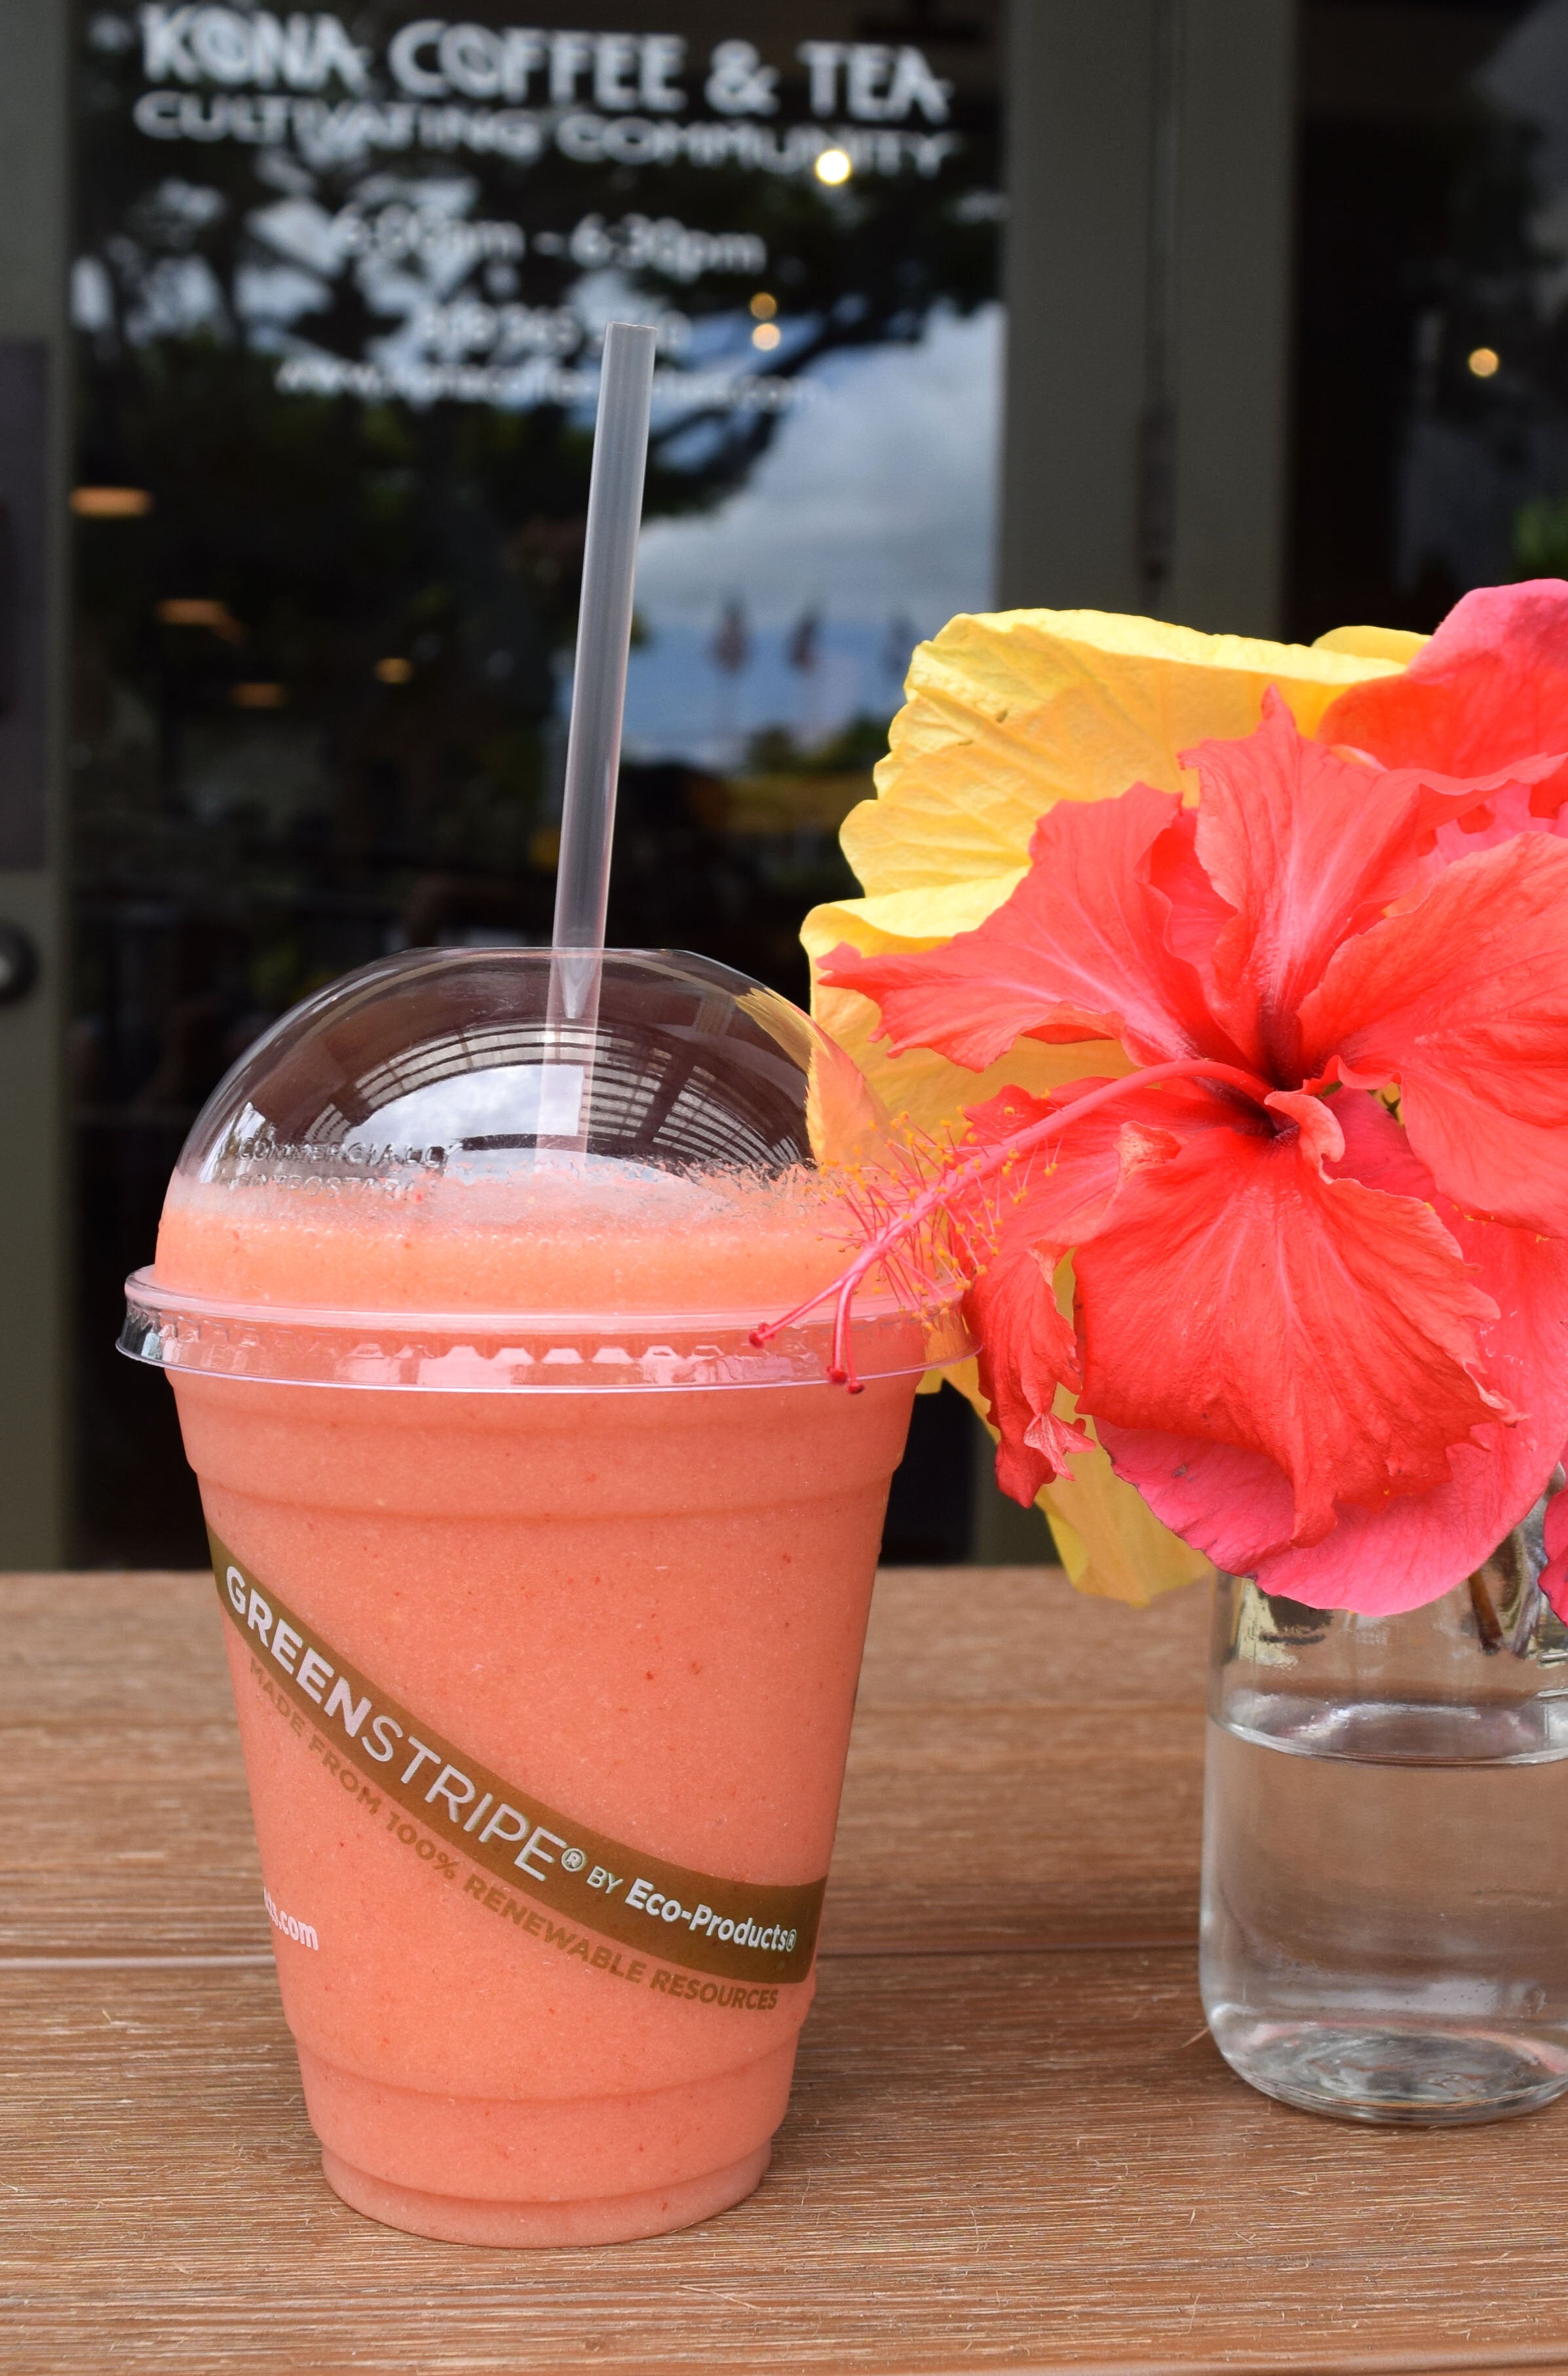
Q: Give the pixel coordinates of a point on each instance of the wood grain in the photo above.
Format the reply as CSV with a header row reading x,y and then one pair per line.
x,y
1026,2157
1009,2161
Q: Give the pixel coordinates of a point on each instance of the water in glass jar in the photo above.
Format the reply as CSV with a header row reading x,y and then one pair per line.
x,y
1384,1921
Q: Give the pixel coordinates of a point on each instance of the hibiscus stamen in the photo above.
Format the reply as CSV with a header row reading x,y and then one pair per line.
x,y
970,1171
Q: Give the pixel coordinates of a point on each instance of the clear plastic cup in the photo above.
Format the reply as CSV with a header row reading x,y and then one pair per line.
x,y
544,1589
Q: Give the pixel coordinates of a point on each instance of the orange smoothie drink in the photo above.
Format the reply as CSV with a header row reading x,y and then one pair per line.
x,y
544,1589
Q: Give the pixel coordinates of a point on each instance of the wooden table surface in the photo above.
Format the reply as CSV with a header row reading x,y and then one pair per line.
x,y
1012,2149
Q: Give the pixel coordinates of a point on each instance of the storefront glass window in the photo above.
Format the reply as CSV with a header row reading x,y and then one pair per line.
x,y
1432,348
340,283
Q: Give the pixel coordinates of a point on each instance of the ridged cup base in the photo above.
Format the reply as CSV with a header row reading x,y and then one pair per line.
x,y
607,2219
536,2171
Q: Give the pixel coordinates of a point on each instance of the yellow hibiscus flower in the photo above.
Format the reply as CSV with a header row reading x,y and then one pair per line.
x,y
1006,714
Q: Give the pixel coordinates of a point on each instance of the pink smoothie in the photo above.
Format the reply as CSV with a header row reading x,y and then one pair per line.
x,y
644,1607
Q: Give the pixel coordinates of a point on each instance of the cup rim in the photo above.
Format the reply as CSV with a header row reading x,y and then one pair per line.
x,y
477,1351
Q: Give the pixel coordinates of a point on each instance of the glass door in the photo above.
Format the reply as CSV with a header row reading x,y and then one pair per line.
x,y
339,288
1431,331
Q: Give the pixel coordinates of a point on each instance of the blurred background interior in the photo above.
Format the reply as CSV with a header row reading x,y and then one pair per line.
x,y
1242,313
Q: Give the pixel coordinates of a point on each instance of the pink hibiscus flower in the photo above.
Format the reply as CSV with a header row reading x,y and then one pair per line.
x,y
1328,1341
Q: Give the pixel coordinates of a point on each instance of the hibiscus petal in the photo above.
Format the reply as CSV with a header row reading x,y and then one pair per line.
x,y
1028,1350
1197,911
1233,1505
924,1092
1011,711
1006,714
1306,847
1057,1195
1508,812
1490,687
1027,1346
1237,1507
1418,1548
1238,1295
1463,998
1110,1540
1106,1535
1052,1199
1399,644
1081,950
1322,1137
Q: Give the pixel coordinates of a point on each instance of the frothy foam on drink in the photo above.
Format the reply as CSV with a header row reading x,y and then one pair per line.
x,y
566,1236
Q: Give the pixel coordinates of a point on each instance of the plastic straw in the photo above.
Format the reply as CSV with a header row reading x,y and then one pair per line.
x,y
598,697
604,635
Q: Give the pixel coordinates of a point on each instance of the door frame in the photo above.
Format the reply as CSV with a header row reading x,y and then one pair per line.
x,y
35,1238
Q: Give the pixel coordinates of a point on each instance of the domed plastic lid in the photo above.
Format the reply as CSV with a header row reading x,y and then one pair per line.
x,y
428,1176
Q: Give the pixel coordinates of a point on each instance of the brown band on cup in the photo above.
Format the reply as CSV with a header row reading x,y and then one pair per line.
x,y
736,1930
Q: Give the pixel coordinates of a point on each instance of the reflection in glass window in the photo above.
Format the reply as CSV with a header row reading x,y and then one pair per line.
x,y
341,284
1432,396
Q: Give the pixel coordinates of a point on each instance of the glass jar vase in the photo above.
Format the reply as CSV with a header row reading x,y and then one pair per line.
x,y
1385,1849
